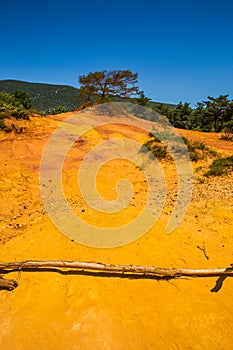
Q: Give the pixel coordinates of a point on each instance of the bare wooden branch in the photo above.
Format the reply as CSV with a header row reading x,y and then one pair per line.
x,y
8,284
113,268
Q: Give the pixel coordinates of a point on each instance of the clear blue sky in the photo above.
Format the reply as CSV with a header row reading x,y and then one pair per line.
x,y
182,50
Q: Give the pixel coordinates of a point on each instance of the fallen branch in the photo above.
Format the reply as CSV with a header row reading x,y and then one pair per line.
x,y
8,284
112,268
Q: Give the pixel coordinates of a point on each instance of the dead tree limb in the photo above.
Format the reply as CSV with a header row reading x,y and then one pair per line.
x,y
113,268
8,284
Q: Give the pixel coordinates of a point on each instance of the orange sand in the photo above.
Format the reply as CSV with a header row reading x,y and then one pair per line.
x,y
51,310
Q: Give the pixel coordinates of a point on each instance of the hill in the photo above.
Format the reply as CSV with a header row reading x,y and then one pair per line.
x,y
46,97
78,310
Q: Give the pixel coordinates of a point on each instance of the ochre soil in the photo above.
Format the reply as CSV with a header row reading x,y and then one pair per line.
x,y
57,311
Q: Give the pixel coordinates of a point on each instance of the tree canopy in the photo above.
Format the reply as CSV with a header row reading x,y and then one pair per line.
x,y
106,84
23,98
214,114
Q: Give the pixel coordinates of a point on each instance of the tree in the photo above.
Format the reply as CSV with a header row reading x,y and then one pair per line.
x,y
23,98
162,109
180,116
11,107
214,113
143,100
107,84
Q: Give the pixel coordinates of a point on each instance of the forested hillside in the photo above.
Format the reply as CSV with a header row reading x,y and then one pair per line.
x,y
44,97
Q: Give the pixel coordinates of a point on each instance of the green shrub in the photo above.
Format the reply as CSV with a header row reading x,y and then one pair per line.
x,y
194,149
153,145
197,150
200,145
59,109
11,107
153,137
159,152
23,98
221,166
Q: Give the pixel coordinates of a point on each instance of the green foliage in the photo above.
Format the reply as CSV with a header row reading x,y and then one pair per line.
x,y
12,108
23,98
210,115
44,97
164,135
221,166
143,100
159,151
153,136
162,108
198,150
180,117
105,84
228,131
59,109
214,114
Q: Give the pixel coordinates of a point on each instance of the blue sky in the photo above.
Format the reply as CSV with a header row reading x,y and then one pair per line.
x,y
182,50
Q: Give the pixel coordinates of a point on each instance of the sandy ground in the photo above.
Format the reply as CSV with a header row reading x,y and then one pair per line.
x,y
57,310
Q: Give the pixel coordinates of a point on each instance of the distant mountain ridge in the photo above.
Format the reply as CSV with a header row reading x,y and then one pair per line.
x,y
46,97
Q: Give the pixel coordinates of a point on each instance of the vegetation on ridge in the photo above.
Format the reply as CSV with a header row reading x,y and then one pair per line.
x,y
221,166
105,85
47,97
213,114
197,150
44,97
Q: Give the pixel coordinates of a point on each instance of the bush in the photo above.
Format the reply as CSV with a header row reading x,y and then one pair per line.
x,y
159,152
153,145
220,167
23,98
197,150
11,107
59,110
